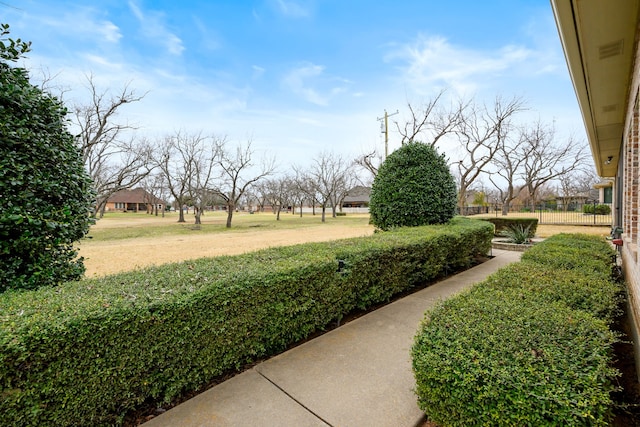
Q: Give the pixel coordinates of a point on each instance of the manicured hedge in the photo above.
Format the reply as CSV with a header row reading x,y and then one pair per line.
x,y
596,209
86,352
531,345
504,224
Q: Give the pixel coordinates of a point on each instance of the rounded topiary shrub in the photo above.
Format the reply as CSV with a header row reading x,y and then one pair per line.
x,y
413,187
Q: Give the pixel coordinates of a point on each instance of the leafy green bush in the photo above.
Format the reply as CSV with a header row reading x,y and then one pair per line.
x,y
505,224
413,187
531,345
86,352
45,191
573,251
596,209
591,291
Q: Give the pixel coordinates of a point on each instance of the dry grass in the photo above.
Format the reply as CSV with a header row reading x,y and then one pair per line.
x,y
108,253
123,242
544,231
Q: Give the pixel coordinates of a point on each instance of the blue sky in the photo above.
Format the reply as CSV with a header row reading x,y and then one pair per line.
x,y
298,77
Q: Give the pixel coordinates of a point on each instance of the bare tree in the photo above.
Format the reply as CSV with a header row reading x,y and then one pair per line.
x,y
432,122
298,193
260,192
250,199
114,159
577,184
150,185
203,153
482,133
547,160
279,193
237,174
176,160
328,178
508,164
369,162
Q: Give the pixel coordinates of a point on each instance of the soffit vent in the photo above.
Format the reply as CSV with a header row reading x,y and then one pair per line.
x,y
611,49
609,108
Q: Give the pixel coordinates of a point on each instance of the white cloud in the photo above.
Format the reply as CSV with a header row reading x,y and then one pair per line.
x,y
310,83
109,31
434,61
297,81
154,29
102,61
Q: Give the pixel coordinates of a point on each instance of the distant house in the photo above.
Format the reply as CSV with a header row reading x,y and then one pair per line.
x,y
357,197
135,200
605,189
576,201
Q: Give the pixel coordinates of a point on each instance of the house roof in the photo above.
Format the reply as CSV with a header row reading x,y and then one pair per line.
x,y
598,38
358,194
136,195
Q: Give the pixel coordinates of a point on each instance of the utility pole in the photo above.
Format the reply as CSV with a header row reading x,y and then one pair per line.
x,y
385,129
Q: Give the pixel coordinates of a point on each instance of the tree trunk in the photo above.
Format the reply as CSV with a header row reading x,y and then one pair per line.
x,y
230,208
102,208
324,210
181,214
278,213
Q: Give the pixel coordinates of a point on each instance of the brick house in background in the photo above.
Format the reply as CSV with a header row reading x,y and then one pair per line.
x,y
135,200
600,42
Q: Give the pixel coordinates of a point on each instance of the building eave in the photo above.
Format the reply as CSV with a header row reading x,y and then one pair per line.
x,y
599,43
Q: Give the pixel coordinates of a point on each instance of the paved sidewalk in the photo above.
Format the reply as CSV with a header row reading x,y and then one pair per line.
x,y
356,375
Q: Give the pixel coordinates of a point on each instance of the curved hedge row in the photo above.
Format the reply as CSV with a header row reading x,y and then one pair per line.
x,y
531,345
87,352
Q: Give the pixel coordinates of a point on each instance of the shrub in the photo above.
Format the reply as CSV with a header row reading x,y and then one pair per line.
x,y
531,345
86,352
504,224
573,251
45,191
413,187
596,209
518,234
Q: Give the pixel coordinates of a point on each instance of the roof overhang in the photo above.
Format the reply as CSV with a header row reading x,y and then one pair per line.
x,y
598,38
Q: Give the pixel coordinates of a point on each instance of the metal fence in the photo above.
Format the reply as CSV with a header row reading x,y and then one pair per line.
x,y
548,213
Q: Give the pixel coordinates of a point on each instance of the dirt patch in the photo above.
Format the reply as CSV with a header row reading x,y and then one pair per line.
x,y
103,258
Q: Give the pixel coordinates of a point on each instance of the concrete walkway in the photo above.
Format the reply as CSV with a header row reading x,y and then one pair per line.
x,y
356,375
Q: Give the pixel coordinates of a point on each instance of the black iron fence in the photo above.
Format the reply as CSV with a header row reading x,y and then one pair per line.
x,y
548,213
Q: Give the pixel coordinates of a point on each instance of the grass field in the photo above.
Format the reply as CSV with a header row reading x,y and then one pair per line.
x,y
123,241
120,242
